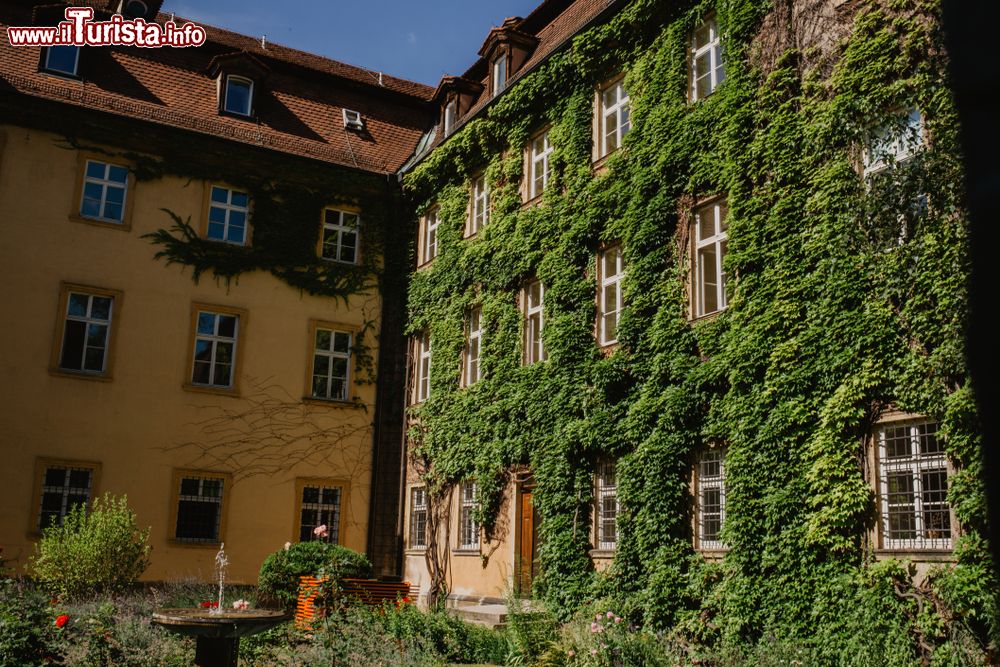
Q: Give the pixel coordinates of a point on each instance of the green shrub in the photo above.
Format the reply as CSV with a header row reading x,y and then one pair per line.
x,y
279,575
27,625
96,552
448,636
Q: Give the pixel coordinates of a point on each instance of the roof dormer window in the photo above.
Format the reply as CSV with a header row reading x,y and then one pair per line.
x,y
450,116
499,74
63,59
353,120
238,97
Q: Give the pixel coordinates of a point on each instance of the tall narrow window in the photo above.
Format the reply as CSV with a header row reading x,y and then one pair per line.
x,y
607,506
86,332
541,149
104,189
611,272
429,241
913,480
227,215
215,349
340,236
331,364
499,76
615,121
199,507
894,143
707,67
319,505
63,486
473,342
710,243
468,527
418,517
450,115
63,59
480,205
534,322
238,96
711,500
423,367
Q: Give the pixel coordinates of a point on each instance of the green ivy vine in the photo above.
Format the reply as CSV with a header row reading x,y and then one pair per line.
x,y
834,314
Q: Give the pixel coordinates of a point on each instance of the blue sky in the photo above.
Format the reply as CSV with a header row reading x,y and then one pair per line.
x,y
413,39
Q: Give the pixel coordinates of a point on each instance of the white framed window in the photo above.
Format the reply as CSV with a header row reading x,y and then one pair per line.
x,y
710,243
468,527
62,59
610,303
429,242
104,189
215,349
418,517
63,486
450,116
238,95
913,487
541,150
473,347
895,142
340,236
534,322
331,364
319,505
607,506
423,368
480,214
707,67
86,332
228,213
498,69
199,507
615,121
710,479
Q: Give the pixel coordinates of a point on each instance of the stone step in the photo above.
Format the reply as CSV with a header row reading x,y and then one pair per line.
x,y
490,615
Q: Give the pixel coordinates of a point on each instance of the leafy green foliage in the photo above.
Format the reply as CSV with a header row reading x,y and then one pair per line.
x,y
27,630
93,552
845,298
280,572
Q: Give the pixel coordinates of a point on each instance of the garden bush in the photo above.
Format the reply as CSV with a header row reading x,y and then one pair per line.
x,y
445,634
27,625
92,552
280,572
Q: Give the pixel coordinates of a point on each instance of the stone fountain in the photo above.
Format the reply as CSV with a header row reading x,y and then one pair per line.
x,y
218,630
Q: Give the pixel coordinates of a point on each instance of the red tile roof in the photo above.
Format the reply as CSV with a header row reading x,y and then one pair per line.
x,y
298,108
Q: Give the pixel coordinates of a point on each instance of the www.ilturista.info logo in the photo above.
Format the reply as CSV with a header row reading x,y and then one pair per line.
x,y
79,29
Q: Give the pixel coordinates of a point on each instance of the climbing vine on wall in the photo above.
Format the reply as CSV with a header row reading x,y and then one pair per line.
x,y
844,299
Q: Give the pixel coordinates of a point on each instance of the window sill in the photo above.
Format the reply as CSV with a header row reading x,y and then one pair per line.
x,y
331,402
534,201
62,76
236,114
416,551
207,389
466,552
80,375
97,222
426,264
604,554
706,318
600,165
942,555
174,542
338,261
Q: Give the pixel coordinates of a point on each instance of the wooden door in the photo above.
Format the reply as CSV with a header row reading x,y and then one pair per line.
x,y
527,565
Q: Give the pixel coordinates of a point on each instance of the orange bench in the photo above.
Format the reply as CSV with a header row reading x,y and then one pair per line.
x,y
370,592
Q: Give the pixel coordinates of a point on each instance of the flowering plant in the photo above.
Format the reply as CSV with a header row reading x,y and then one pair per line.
x,y
321,532
241,604
209,605
62,620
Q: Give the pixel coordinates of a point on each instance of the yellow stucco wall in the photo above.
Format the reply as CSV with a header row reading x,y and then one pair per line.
x,y
133,423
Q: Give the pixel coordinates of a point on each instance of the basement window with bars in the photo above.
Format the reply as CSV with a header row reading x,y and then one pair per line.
x,y
468,527
319,505
63,486
199,507
418,517
913,487
607,506
710,482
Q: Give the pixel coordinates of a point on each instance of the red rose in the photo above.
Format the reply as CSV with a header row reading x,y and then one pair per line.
x,y
209,605
62,620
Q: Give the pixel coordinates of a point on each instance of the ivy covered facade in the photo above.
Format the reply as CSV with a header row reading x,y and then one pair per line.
x,y
694,282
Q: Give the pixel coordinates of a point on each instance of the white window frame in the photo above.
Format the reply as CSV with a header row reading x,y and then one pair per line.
x,y
717,66
331,354
228,208
429,237
498,73
450,116
916,464
342,229
473,341
105,182
225,92
534,324
894,143
703,483
613,281
607,490
540,166
719,240
423,374
418,517
214,339
89,320
468,527
615,118
480,214
54,70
